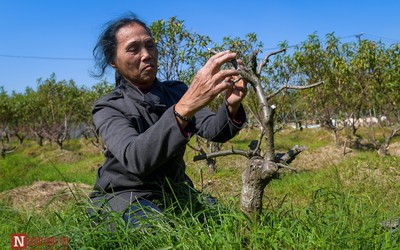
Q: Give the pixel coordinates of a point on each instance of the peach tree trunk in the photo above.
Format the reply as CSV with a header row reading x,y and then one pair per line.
x,y
255,178
260,171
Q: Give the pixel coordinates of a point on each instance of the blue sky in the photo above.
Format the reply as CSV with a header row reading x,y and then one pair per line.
x,y
39,37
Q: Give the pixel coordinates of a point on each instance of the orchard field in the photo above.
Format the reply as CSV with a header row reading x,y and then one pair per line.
x,y
333,201
341,191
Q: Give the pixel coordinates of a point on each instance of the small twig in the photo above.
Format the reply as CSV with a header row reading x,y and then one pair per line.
x,y
293,87
235,81
201,150
281,165
201,179
266,59
233,61
256,117
253,61
290,155
262,133
243,71
5,151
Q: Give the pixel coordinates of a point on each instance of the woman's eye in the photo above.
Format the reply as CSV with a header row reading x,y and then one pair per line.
x,y
133,49
150,45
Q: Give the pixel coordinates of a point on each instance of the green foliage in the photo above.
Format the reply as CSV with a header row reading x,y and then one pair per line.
x,y
5,110
361,80
181,52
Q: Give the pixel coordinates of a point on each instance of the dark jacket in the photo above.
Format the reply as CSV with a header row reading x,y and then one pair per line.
x,y
145,145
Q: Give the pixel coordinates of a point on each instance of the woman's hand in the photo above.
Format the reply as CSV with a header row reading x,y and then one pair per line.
x,y
209,81
236,92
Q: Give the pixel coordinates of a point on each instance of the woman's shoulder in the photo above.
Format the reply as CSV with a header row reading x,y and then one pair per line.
x,y
113,95
174,86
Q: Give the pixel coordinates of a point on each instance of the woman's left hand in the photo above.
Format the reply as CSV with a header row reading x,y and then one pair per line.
x,y
236,93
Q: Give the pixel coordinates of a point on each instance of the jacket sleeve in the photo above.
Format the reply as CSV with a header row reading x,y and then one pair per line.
x,y
142,151
139,153
218,127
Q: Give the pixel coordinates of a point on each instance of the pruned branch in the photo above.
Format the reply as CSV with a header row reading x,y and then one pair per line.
x,y
256,117
5,150
290,155
392,134
248,154
281,165
249,77
198,149
253,61
262,133
266,60
293,87
222,153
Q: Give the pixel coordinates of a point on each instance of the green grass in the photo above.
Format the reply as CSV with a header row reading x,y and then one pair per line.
x,y
337,205
33,163
310,138
331,220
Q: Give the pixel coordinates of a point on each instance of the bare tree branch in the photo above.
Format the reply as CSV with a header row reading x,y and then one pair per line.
x,y
253,61
293,87
6,150
390,137
266,60
262,133
290,155
256,117
199,149
222,153
253,80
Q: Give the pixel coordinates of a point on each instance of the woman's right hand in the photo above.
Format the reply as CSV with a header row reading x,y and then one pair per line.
x,y
209,81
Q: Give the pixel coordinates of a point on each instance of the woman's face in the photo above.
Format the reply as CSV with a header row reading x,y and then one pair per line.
x,y
136,55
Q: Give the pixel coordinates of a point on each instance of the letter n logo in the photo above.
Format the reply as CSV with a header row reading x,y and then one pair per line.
x,y
18,241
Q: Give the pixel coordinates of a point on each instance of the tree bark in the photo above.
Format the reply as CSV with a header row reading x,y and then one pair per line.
x,y
254,179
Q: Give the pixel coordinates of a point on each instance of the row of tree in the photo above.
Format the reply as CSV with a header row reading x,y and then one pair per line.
x,y
361,79
52,112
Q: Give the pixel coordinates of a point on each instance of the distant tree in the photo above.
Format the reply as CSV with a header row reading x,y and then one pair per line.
x,y
34,115
60,102
20,110
340,100
6,115
180,50
380,84
85,114
6,118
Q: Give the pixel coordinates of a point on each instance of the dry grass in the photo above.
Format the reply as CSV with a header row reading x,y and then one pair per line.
x,y
394,149
42,194
320,158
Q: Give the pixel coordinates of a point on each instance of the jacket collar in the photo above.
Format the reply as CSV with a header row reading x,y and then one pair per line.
x,y
135,93
150,100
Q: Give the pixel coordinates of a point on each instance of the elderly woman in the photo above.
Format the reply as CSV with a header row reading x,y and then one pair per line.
x,y
146,123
